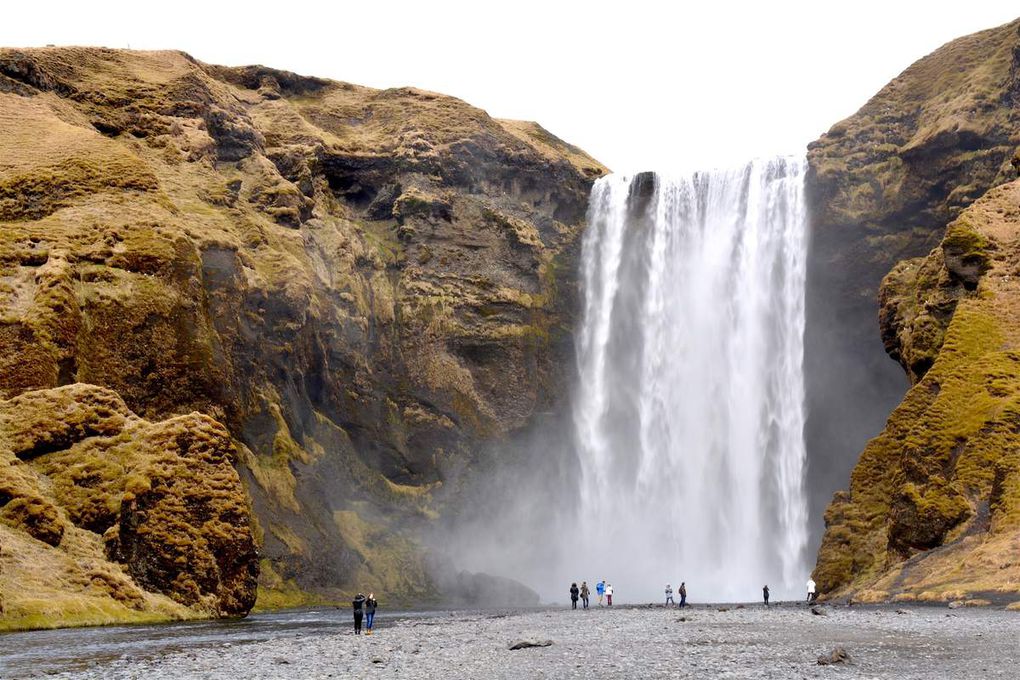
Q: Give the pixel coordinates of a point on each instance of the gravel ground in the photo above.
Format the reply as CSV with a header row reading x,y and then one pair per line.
x,y
626,642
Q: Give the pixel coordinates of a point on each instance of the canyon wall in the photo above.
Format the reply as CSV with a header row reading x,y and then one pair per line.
x,y
930,509
362,291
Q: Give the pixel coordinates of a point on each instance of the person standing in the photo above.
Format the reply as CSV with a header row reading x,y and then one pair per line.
x,y
683,594
574,592
765,594
358,604
810,590
669,595
370,606
609,594
600,590
584,593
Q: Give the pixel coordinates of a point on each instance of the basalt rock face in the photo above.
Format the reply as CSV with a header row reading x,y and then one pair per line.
x,y
933,509
882,186
366,288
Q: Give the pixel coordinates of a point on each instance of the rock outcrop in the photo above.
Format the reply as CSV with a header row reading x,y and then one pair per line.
x,y
883,184
107,517
366,288
933,509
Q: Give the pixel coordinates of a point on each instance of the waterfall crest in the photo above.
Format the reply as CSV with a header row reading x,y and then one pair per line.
x,y
689,410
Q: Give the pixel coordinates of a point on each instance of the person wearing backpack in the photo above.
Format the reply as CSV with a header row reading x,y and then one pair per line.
x,y
600,590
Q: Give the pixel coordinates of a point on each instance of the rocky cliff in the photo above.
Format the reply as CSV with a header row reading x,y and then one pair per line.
x,y
358,290
931,509
882,185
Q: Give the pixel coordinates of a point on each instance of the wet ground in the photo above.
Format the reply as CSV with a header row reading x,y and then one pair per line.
x,y
626,642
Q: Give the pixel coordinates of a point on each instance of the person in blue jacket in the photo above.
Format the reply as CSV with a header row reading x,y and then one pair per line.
x,y
600,590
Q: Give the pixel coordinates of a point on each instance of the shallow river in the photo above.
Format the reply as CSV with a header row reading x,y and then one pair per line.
x,y
45,652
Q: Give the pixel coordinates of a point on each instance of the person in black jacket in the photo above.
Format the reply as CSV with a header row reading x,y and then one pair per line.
x,y
358,604
370,605
574,592
765,594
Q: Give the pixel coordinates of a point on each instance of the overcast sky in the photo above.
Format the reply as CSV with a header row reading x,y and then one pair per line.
x,y
636,84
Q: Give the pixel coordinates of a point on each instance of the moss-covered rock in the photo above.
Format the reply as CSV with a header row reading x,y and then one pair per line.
x,y
931,513
882,186
358,284
156,508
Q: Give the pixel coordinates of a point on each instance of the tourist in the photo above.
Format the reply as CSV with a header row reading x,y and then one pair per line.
x,y
370,605
669,595
683,594
358,603
600,590
609,594
574,592
765,594
810,590
584,593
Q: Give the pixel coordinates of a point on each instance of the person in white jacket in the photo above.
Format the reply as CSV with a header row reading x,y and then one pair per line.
x,y
609,594
810,590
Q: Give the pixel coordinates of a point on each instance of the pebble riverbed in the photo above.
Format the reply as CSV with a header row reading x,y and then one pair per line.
x,y
624,642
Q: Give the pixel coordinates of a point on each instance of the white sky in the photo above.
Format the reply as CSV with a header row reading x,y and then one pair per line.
x,y
637,84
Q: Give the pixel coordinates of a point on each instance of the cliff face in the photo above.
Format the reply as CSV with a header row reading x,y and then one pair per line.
x,y
933,510
365,288
883,184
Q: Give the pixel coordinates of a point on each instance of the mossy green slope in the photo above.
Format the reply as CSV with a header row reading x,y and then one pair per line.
x,y
933,510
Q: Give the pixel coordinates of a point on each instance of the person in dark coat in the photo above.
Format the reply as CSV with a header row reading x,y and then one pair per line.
x,y
370,606
358,604
765,594
683,594
574,592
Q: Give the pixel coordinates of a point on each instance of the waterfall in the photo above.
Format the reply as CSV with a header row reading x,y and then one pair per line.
x,y
689,409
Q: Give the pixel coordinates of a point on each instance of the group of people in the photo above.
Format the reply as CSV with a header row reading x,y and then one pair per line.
x,y
681,591
364,608
602,590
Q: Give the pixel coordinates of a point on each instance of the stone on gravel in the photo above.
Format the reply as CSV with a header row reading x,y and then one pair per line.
x,y
836,656
818,612
525,644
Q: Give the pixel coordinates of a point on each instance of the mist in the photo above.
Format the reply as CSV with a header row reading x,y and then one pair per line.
x,y
679,453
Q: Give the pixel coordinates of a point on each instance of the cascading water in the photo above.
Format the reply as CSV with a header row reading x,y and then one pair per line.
x,y
689,412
